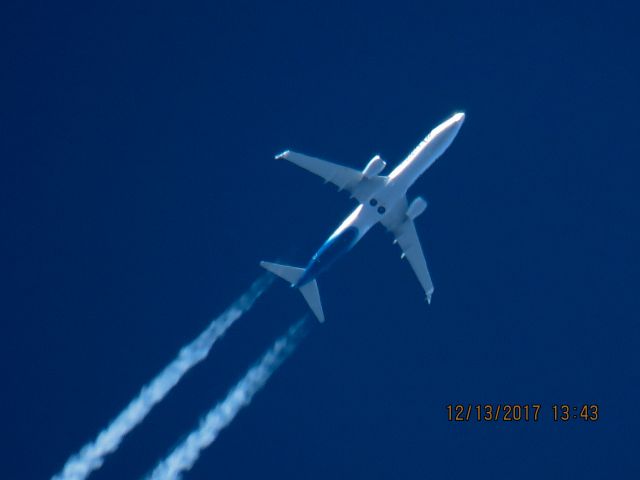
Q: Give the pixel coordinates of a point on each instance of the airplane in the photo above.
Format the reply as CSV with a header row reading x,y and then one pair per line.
x,y
381,199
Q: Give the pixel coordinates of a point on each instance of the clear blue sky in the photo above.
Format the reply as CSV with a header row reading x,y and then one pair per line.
x,y
139,193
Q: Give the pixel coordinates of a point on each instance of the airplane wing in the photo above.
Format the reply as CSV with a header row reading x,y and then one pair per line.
x,y
406,236
345,178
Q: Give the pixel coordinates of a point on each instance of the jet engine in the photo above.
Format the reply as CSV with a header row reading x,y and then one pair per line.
x,y
374,167
416,208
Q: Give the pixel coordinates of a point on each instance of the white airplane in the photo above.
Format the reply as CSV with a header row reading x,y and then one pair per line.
x,y
382,199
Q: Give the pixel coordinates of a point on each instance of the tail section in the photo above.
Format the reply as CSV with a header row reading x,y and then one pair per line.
x,y
292,275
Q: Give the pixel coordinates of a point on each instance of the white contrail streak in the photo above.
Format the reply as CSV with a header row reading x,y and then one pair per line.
x,y
91,456
185,455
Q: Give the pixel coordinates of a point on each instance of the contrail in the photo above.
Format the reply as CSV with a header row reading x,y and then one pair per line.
x,y
185,455
91,456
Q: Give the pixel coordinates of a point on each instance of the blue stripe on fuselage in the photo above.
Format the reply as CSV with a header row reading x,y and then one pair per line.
x,y
332,249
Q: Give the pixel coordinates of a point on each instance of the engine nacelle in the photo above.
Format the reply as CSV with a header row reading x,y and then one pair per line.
x,y
374,167
416,208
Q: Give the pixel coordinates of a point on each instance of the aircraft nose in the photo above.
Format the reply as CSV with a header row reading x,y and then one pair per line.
x,y
459,118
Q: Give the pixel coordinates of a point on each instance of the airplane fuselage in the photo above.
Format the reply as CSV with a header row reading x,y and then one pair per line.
x,y
382,200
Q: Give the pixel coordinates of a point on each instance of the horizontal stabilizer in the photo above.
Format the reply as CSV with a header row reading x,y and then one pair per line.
x,y
292,275
312,296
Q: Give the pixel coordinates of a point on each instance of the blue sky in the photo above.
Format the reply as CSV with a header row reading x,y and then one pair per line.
x,y
139,193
